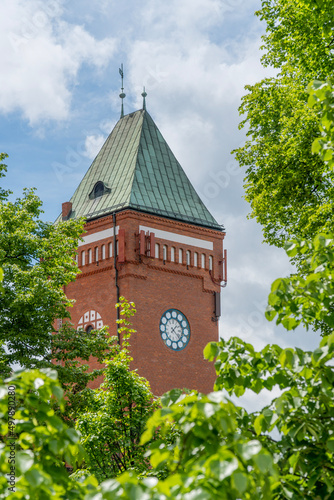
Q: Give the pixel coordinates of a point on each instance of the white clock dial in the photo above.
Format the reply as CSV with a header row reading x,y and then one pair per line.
x,y
174,330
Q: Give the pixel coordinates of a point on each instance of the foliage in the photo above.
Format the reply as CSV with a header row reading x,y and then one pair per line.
x,y
303,414
322,99
69,350
3,169
306,299
35,443
210,458
37,261
290,188
117,413
282,451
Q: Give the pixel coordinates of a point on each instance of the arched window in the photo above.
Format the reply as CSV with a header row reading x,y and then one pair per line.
x,y
188,257
180,255
83,258
164,252
210,263
89,256
195,259
203,260
172,254
98,190
96,254
157,250
103,248
110,249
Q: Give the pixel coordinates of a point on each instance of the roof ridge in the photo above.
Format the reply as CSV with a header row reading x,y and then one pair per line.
x,y
136,168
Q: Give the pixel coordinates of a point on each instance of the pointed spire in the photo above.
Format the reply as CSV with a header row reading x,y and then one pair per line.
x,y
122,163
144,94
122,95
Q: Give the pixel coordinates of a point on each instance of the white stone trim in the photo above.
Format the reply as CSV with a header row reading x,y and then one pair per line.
x,y
100,235
90,318
178,238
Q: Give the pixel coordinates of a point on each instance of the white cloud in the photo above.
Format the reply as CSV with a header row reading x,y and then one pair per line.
x,y
93,144
195,57
41,57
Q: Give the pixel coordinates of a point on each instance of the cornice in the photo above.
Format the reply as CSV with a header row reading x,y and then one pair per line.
x,y
142,215
96,271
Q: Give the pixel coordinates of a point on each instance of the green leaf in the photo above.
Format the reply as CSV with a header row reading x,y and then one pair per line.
x,y
320,353
287,357
210,351
258,424
35,477
264,462
240,482
158,457
330,444
24,460
270,313
57,392
72,435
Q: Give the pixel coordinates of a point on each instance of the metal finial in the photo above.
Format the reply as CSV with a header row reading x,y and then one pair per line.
x,y
122,95
144,94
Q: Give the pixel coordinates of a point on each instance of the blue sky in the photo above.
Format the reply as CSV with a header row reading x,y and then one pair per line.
x,y
59,86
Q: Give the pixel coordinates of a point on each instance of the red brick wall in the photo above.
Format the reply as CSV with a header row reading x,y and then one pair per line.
x,y
155,285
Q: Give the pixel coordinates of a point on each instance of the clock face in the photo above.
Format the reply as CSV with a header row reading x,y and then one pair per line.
x,y
174,329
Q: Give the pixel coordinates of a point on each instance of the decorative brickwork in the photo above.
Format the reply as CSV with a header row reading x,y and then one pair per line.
x,y
155,285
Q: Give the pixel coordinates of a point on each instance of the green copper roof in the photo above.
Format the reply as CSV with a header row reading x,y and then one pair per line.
x,y
139,171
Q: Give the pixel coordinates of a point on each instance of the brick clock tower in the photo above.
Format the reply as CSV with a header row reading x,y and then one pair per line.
x,y
150,239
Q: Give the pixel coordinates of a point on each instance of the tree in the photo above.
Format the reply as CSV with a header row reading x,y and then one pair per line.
x,y
289,187
70,349
35,443
38,261
304,413
322,99
116,415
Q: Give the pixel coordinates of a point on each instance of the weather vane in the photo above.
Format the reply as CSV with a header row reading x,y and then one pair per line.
x,y
122,95
144,94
